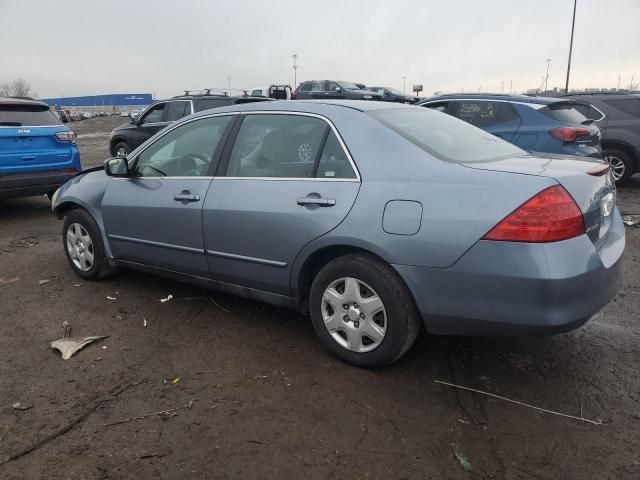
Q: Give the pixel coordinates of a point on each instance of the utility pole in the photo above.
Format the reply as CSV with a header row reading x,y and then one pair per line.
x,y
502,86
229,81
573,26
295,70
510,86
546,79
619,77
404,84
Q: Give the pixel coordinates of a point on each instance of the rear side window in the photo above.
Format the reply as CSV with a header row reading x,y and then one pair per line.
x,y
444,136
563,112
25,115
207,103
630,106
439,106
318,87
177,110
484,114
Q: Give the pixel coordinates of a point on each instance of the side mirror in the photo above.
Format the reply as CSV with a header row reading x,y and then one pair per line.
x,y
116,167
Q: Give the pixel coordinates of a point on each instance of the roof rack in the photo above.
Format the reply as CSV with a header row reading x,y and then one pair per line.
x,y
575,94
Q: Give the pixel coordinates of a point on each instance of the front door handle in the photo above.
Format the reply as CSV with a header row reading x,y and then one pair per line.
x,y
321,202
186,196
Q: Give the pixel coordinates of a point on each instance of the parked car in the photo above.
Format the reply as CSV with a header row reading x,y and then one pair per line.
x,y
135,113
375,218
331,89
392,95
277,92
154,118
535,124
618,116
37,152
124,113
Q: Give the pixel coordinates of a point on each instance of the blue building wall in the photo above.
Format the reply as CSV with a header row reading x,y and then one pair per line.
x,y
116,99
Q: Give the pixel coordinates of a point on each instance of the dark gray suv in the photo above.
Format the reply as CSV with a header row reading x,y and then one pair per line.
x,y
334,89
618,116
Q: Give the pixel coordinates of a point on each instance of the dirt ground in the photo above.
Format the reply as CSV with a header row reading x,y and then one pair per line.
x,y
267,402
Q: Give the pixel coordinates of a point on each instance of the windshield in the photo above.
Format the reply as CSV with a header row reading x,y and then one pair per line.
x,y
444,136
19,115
348,85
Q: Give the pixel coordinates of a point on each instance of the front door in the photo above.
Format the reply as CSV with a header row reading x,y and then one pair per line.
x,y
155,216
284,182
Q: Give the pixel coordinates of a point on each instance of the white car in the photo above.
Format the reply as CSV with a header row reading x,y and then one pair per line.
x,y
124,114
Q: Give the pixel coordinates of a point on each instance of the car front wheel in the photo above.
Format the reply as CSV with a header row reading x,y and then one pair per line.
x,y
362,311
83,246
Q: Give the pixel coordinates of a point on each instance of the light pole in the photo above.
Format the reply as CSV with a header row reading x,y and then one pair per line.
x,y
295,70
573,25
546,78
404,85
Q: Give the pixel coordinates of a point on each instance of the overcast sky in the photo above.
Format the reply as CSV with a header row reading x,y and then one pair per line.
x,y
84,47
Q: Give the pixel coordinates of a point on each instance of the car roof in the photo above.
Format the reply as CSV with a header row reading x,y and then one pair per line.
x,y
601,96
309,106
20,101
497,96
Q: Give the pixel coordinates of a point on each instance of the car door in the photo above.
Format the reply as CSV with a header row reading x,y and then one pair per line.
x,y
154,216
272,198
496,117
149,123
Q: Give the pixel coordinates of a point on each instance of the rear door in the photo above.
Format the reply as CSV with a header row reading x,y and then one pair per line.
x,y
497,118
284,180
28,139
155,216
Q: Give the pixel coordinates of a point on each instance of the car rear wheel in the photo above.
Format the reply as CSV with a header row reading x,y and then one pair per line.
x,y
83,246
121,149
621,164
362,311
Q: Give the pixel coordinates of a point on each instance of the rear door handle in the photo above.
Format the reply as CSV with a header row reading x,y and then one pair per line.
x,y
322,202
186,196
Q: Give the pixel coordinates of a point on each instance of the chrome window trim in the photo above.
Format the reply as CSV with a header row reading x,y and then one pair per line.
x,y
171,177
603,116
297,179
333,129
137,152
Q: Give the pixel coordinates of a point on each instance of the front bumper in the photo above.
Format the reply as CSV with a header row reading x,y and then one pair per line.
x,y
32,183
508,288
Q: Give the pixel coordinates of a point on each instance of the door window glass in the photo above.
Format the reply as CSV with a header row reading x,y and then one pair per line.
x,y
306,87
185,151
439,106
154,115
333,161
318,87
485,114
283,146
176,110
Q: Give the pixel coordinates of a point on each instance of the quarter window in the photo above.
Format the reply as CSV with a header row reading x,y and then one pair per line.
x,y
154,115
186,151
287,146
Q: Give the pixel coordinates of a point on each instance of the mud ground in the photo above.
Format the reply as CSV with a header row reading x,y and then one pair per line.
x,y
268,402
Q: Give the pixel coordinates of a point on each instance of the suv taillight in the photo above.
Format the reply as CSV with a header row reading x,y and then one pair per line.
x,y
68,136
549,216
569,134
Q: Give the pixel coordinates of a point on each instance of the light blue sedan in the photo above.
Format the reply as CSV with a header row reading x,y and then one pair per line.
x,y
377,219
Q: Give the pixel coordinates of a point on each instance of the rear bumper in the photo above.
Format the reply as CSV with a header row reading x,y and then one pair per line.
x,y
506,288
32,183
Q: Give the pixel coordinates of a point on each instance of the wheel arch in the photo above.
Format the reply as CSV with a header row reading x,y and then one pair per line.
x,y
114,141
625,147
63,209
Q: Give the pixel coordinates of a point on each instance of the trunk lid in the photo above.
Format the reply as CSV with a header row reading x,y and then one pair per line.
x,y
32,148
594,194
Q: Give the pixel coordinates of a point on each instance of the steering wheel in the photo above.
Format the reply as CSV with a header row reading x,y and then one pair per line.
x,y
199,164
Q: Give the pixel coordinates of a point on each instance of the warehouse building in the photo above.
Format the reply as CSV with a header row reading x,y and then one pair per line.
x,y
116,102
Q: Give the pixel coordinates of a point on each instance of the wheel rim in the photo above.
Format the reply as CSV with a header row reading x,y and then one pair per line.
x,y
80,247
617,166
121,152
354,315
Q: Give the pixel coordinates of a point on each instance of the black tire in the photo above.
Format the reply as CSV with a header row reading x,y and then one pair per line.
x,y
402,317
100,268
122,145
612,155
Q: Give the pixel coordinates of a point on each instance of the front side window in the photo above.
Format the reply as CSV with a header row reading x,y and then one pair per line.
x,y
444,136
287,146
154,115
306,87
186,151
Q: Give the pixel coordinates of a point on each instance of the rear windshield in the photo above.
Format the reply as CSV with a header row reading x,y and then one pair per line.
x,y
563,112
17,115
444,136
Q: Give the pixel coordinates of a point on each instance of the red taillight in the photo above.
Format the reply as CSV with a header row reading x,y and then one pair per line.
x,y
549,216
66,136
569,134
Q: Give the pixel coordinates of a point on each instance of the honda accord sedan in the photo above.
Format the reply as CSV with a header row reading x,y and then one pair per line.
x,y
376,219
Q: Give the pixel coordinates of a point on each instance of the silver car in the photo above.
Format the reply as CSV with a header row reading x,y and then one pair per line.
x,y
377,219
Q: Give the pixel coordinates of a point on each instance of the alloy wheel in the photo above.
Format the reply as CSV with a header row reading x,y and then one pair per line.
x,y
618,167
121,152
80,247
354,315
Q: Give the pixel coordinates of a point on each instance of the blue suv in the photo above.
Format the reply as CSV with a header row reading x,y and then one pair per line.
x,y
37,152
537,124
